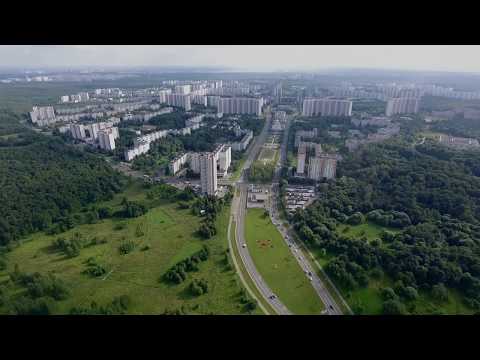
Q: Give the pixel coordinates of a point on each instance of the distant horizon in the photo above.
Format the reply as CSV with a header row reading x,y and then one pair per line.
x,y
210,69
247,58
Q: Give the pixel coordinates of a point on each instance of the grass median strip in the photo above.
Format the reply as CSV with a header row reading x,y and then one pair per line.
x,y
246,276
276,264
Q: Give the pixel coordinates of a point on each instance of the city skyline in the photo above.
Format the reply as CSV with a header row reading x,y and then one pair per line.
x,y
455,58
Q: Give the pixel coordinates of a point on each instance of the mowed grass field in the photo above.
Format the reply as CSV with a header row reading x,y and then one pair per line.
x,y
276,264
368,229
170,234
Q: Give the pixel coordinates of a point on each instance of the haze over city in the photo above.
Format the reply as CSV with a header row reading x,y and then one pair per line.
x,y
459,58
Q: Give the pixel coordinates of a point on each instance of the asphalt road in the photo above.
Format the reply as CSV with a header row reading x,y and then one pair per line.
x,y
238,210
331,307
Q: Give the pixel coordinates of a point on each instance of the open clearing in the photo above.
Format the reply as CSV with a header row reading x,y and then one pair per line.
x,y
276,264
368,229
170,234
267,154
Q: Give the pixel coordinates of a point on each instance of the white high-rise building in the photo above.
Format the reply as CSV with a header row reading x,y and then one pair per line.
x,y
179,100
403,105
183,89
225,158
176,164
240,106
42,115
208,173
93,130
106,139
301,156
65,99
322,166
83,96
199,99
162,94
327,107
194,161
213,101
77,131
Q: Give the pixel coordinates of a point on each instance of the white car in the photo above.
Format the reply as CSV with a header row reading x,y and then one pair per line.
x,y
244,245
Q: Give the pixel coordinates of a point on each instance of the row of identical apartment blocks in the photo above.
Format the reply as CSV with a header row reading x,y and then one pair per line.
x,y
210,166
103,133
76,98
327,107
141,144
48,115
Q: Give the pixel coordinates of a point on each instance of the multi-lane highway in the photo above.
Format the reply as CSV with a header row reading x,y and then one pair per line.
x,y
238,211
331,307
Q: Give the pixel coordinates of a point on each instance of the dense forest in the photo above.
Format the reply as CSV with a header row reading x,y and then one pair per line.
x,y
44,180
173,120
430,194
458,126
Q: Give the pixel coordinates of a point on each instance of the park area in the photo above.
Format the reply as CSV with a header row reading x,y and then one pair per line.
x,y
368,300
278,267
164,236
267,154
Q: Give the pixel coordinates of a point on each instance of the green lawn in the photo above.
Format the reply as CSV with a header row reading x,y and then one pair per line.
x,y
370,300
277,265
170,233
368,229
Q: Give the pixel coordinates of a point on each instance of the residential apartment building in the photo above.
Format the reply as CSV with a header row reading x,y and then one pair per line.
x,y
208,173
240,106
199,99
183,89
42,115
322,166
243,144
106,139
176,164
162,95
194,162
213,101
301,157
179,100
77,131
224,159
304,134
405,105
83,96
327,107
141,147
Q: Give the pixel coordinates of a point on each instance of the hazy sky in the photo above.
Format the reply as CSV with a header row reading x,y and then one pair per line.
x,y
249,57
